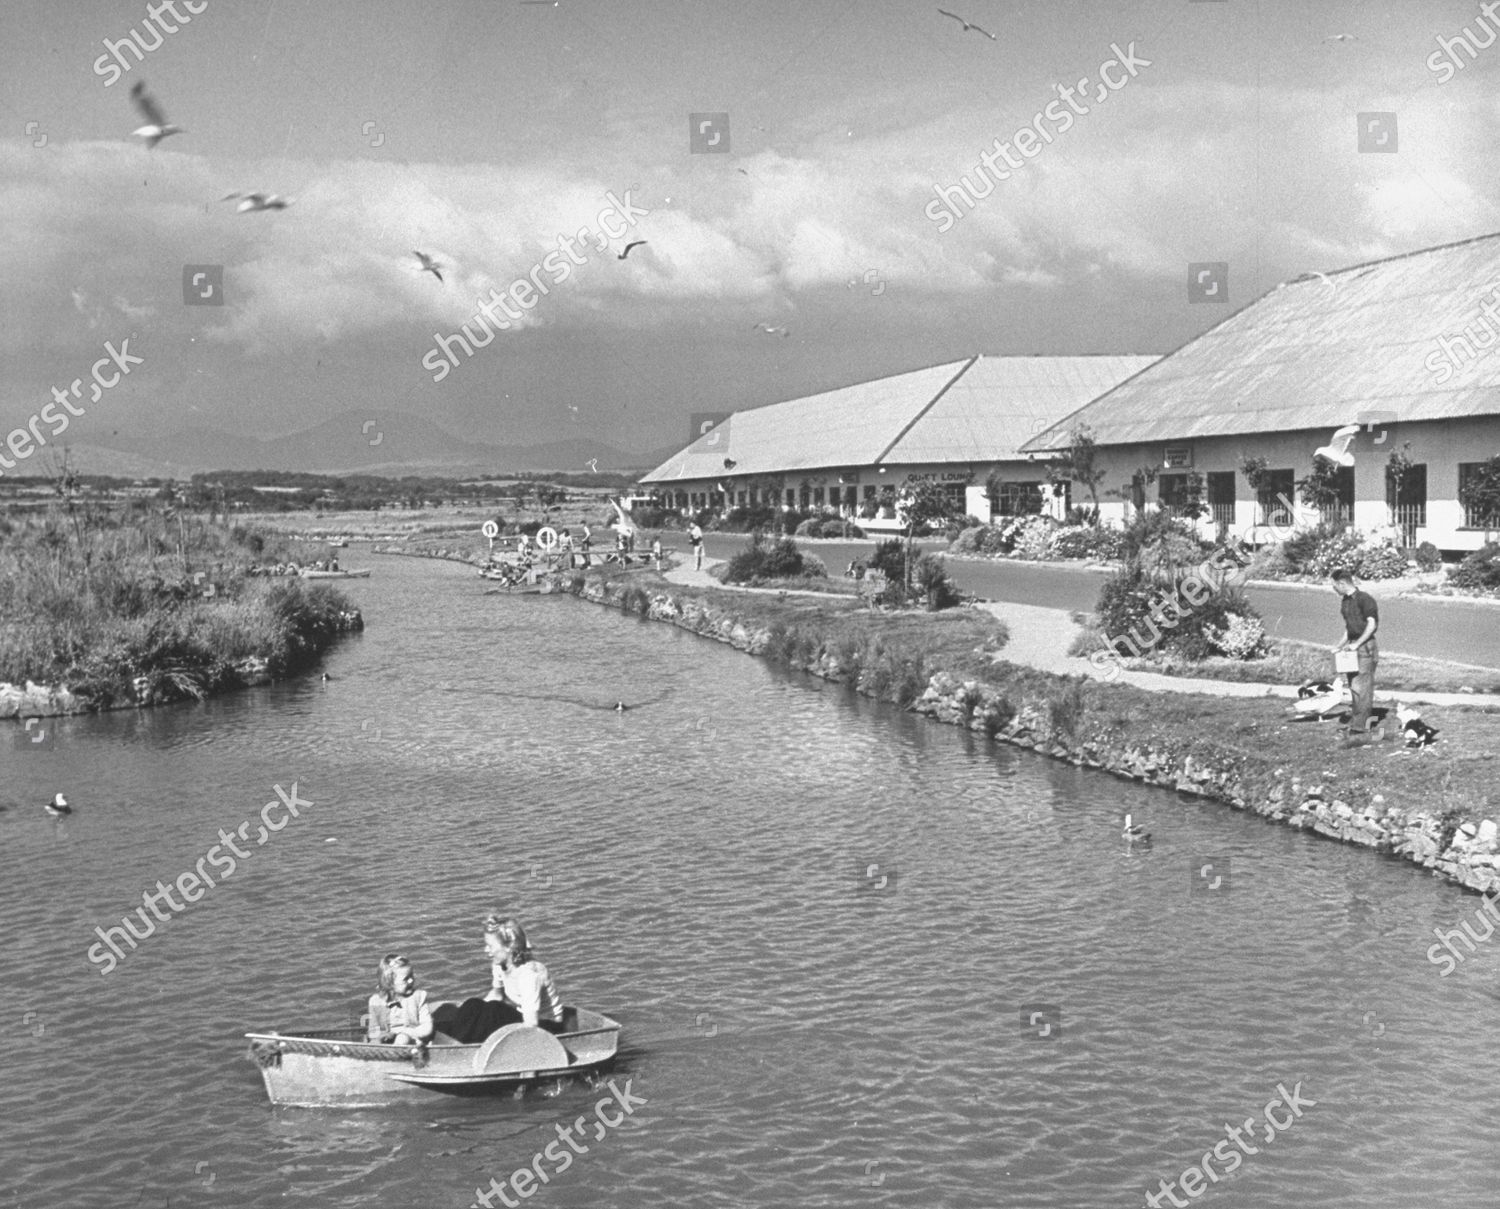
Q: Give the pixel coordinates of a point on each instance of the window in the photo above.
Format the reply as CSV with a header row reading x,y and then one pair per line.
x,y
1474,518
740,497
1020,499
869,491
1277,503
791,497
955,494
1173,491
1221,498
817,497
1408,505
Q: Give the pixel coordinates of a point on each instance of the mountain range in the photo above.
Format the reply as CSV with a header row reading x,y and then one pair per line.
x,y
390,444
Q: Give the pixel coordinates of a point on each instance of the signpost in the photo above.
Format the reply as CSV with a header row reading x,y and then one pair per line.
x,y
490,530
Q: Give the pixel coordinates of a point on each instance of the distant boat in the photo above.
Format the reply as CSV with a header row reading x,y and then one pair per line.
x,y
309,573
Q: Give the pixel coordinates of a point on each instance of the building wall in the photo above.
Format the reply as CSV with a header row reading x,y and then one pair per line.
x,y
1440,445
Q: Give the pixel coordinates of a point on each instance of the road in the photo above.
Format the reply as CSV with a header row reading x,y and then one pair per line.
x,y
1453,630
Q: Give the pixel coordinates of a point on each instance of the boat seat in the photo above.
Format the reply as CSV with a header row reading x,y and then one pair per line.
x,y
441,1038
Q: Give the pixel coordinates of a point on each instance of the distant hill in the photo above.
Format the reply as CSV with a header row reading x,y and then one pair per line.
x,y
385,443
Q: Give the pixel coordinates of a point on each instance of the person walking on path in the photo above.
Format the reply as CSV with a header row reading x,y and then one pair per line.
x,y
1361,619
656,552
695,539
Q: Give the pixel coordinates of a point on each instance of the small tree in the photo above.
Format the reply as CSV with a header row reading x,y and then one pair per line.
x,y
919,504
1480,494
1079,464
1321,487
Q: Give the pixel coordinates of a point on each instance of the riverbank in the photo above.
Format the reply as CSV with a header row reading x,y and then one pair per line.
x,y
1433,807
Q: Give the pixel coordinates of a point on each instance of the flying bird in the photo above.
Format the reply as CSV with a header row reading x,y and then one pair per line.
x,y
968,25
258,201
632,244
1337,449
771,331
1341,38
429,265
58,806
157,127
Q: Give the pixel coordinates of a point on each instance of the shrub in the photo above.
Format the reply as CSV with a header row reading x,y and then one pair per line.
x,y
747,520
956,525
1342,549
775,560
646,517
1242,638
986,539
890,559
1087,541
827,526
1129,598
813,567
1300,548
1030,536
1124,605
1428,557
1148,528
1481,569
931,578
1383,562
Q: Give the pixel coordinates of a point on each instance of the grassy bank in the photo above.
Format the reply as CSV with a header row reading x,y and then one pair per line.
x,y
130,605
1291,662
1246,752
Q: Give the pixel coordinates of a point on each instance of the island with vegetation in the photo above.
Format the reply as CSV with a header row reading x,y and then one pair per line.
x,y
111,604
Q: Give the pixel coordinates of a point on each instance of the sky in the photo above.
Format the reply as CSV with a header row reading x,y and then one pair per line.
x,y
485,131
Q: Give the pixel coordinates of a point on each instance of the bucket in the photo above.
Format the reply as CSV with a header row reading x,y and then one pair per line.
x,y
1346,660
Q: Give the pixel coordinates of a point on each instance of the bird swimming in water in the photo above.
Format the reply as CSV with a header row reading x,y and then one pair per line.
x,y
58,806
620,707
1134,833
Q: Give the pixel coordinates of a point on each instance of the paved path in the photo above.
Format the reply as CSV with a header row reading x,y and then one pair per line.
x,y
1040,638
1424,627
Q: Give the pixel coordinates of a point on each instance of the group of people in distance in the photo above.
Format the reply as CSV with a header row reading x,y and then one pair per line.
x,y
521,991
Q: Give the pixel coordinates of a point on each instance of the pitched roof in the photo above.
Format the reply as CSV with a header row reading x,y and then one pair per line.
x,y
981,409
1319,352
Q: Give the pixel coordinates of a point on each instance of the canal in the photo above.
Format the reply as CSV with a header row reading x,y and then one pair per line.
x,y
861,959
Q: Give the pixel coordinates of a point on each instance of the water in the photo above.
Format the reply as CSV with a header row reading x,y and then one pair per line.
x,y
819,920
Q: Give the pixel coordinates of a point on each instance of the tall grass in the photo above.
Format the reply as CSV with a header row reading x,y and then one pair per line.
x,y
94,598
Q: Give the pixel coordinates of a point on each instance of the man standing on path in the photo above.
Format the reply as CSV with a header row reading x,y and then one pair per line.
x,y
695,539
1361,620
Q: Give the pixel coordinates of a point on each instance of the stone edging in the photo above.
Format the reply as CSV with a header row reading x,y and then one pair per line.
x,y
1469,853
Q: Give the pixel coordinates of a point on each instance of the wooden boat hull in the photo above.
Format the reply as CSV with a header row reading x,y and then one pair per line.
x,y
338,1067
362,574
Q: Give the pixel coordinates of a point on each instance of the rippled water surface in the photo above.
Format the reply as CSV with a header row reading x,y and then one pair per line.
x,y
826,926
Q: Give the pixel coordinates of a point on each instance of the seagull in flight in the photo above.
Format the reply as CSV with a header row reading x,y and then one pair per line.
x,y
636,243
968,25
1337,449
1341,38
157,127
771,331
258,201
429,265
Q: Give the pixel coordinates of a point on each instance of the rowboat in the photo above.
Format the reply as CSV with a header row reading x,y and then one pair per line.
x,y
307,573
340,1067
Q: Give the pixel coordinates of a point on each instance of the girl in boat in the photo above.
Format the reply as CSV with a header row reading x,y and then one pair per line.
x,y
398,1011
521,989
